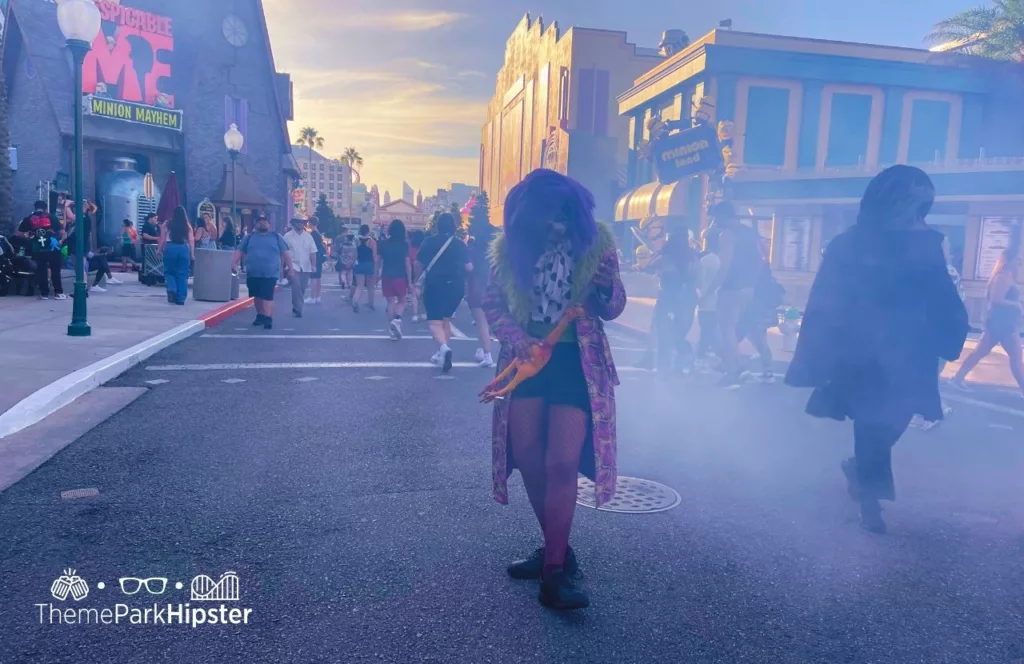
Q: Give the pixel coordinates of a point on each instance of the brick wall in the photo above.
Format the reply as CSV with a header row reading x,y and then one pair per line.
x,y
34,132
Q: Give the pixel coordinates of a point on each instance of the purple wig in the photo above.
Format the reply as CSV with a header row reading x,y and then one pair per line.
x,y
531,205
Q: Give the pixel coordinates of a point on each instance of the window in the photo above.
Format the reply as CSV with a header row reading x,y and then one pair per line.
x,y
929,130
767,122
848,131
563,96
602,97
585,107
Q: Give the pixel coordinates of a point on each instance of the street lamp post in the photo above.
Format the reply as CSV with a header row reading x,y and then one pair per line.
x,y
233,141
79,20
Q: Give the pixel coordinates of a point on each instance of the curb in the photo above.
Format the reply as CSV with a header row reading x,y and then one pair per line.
x,y
220,314
60,393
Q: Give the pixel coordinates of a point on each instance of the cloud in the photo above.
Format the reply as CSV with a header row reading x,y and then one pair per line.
x,y
408,21
472,73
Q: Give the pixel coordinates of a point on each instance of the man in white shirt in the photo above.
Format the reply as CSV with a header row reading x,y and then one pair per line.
x,y
302,248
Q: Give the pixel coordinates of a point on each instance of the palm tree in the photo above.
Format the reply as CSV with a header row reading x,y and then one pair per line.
x,y
353,159
312,139
995,32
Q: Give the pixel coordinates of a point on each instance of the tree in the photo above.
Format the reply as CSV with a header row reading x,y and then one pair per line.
x,y
6,185
480,214
995,32
354,160
328,222
312,139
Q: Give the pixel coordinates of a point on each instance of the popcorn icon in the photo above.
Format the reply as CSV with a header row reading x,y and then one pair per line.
x,y
69,583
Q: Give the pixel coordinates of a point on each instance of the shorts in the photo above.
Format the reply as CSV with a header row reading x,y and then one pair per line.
x,y
394,287
561,382
318,273
365,269
261,288
442,297
128,251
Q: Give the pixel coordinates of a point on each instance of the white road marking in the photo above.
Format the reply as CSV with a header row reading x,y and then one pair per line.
x,y
302,365
376,378
457,333
306,379
233,381
1004,427
241,329
352,337
984,404
445,377
158,381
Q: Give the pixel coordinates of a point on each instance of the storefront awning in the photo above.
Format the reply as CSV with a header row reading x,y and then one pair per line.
x,y
247,193
671,199
638,203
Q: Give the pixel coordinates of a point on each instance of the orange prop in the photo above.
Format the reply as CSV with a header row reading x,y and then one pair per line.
x,y
540,354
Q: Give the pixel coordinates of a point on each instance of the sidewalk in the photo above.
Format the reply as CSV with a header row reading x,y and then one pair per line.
x,y
992,371
129,323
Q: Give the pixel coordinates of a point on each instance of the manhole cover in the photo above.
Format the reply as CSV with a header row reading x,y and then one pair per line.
x,y
632,496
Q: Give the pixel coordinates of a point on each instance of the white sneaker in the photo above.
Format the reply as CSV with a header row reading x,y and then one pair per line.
x,y
114,281
437,357
61,296
396,329
319,300
479,357
94,289
487,361
309,300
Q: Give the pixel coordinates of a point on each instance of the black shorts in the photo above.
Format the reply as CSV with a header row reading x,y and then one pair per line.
x,y
261,288
561,382
319,272
128,251
442,297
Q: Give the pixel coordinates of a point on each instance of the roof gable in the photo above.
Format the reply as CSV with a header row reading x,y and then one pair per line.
x,y
401,207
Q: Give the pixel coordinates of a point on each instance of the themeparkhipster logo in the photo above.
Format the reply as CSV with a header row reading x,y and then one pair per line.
x,y
214,602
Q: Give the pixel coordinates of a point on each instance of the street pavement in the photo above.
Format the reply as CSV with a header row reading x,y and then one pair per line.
x,y
347,484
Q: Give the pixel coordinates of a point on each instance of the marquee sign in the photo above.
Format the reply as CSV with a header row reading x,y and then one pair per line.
x,y
693,151
127,73
138,113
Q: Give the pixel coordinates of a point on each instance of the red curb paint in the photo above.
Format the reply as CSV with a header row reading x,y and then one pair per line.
x,y
220,314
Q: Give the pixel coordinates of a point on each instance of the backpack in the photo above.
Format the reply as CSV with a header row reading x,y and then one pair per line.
x,y
348,256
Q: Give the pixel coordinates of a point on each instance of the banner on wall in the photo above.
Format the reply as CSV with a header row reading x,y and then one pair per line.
x,y
687,153
127,74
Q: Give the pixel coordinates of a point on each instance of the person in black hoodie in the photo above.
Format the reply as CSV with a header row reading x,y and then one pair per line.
x,y
881,314
44,230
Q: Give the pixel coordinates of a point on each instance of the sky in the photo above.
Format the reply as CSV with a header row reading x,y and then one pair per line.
x,y
406,82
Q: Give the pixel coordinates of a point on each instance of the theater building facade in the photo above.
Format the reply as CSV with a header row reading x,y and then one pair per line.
x,y
815,120
162,84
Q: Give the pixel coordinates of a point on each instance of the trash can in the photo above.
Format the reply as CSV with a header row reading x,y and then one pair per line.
x,y
234,285
212,275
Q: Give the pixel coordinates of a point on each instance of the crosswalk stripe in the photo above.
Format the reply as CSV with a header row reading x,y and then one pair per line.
x,y
243,366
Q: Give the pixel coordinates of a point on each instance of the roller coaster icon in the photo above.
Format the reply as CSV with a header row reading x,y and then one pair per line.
x,y
205,589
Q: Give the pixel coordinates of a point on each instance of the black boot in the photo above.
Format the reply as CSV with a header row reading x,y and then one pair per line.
x,y
532,567
557,591
871,516
268,323
260,320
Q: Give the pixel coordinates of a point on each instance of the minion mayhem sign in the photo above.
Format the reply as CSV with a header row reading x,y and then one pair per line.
x,y
126,75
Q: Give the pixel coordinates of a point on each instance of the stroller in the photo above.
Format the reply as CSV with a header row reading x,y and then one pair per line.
x,y
8,272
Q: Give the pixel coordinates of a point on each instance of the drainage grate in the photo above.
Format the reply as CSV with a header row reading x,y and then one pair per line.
x,y
632,496
74,494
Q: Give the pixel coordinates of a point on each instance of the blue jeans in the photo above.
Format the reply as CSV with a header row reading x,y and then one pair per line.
x,y
177,260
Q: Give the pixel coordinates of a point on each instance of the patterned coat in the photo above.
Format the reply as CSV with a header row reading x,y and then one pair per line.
x,y
508,311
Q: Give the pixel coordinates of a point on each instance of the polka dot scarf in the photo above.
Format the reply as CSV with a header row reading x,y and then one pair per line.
x,y
552,285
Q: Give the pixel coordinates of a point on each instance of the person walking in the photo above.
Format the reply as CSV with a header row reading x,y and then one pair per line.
x,y
266,254
476,286
228,238
707,304
304,255
881,313
395,270
416,297
345,245
315,279
740,255
1003,307
366,263
761,315
553,257
177,244
677,266
44,231
128,237
445,263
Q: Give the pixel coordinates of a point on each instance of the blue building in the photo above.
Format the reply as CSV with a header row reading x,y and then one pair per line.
x,y
815,120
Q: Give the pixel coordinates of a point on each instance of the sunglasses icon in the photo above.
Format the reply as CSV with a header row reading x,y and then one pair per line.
x,y
154,586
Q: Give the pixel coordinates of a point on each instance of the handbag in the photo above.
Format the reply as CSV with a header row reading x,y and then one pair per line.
x,y
422,279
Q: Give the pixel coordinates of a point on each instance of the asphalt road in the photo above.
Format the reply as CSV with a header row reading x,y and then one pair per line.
x,y
353,503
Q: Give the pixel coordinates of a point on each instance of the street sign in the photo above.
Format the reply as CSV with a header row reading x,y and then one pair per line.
x,y
687,153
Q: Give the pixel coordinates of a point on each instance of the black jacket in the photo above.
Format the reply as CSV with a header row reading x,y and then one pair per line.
x,y
881,314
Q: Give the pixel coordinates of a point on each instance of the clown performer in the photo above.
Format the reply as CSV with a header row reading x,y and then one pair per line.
x,y
554,257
